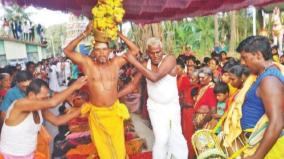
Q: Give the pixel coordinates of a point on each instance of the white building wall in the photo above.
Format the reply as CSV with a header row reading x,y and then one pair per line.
x,y
15,50
40,57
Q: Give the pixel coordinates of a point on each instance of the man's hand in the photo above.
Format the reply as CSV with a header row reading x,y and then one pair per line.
x,y
130,58
80,82
89,28
119,33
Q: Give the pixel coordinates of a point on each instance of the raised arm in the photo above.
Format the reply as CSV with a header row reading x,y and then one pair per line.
x,y
132,48
131,86
271,92
33,104
78,58
167,65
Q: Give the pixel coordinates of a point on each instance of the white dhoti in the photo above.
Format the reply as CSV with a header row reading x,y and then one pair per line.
x,y
166,123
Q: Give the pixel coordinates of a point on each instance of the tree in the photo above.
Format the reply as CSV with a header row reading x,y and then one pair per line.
x,y
233,31
16,12
216,28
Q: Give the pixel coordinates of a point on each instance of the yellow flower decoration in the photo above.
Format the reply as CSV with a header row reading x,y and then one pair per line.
x,y
107,15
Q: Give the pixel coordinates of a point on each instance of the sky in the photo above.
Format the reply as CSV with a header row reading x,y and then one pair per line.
x,y
48,17
44,16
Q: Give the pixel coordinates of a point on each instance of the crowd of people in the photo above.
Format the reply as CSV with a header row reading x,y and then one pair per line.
x,y
22,30
238,100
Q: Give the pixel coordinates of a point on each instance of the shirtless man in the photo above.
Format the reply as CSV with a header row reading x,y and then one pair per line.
x,y
163,102
106,114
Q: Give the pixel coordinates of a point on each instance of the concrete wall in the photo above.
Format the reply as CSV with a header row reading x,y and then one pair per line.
x,y
15,50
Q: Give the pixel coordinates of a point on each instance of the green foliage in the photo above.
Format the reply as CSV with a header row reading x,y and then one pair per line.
x,y
16,12
197,33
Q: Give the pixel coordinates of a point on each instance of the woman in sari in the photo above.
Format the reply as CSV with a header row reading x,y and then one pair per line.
x,y
185,87
206,101
237,75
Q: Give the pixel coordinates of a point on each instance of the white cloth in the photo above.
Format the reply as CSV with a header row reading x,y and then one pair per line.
x,y
165,115
26,28
21,139
61,72
53,81
67,69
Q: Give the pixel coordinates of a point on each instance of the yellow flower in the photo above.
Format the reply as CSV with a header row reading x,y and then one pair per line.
x,y
95,23
99,11
107,15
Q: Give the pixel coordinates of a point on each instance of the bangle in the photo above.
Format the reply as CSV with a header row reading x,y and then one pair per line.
x,y
84,34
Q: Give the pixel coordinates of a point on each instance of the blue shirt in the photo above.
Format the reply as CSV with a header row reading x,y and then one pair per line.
x,y
253,107
12,95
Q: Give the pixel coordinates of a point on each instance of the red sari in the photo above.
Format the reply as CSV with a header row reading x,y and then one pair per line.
x,y
185,87
205,97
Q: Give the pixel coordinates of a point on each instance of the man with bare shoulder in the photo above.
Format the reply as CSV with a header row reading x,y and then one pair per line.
x,y
25,117
163,101
106,113
263,107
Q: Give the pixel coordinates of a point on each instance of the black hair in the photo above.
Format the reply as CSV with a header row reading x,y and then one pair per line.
x,y
190,57
36,85
194,91
206,60
214,54
180,62
215,59
221,87
181,58
198,63
274,47
239,70
10,69
223,52
28,64
22,76
71,82
252,44
230,63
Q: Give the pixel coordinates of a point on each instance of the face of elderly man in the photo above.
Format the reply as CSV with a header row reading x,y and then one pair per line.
x,y
155,53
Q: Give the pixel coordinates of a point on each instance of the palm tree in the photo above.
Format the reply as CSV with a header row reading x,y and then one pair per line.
x,y
204,34
16,12
233,29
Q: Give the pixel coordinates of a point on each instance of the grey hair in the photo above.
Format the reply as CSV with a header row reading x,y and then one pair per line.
x,y
3,75
206,70
153,41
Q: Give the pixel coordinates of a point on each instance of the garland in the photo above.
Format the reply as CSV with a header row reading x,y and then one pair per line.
x,y
107,15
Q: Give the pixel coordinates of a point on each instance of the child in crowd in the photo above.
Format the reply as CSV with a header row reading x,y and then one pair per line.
x,y
221,91
275,53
